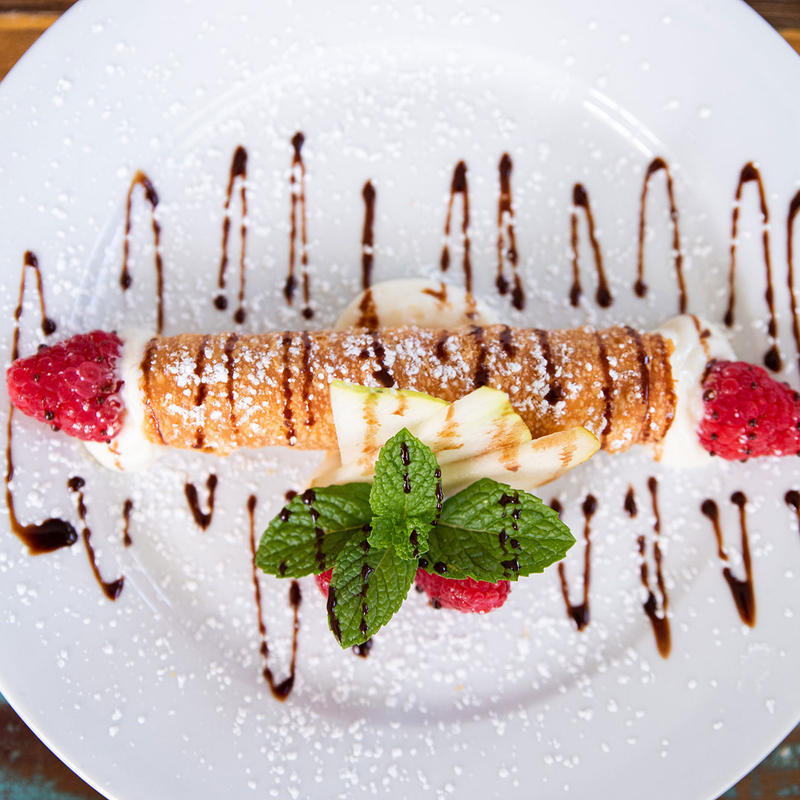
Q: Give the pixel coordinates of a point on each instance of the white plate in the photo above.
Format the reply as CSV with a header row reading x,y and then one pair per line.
x,y
160,694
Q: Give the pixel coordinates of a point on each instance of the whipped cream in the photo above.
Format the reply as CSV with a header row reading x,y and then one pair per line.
x,y
695,342
130,449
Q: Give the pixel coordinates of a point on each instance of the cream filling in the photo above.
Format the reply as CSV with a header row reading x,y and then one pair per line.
x,y
695,342
130,449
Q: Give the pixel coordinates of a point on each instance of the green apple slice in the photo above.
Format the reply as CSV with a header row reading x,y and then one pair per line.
x,y
478,423
526,465
366,418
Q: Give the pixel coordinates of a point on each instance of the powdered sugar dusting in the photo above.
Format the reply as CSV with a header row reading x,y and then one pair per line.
x,y
515,703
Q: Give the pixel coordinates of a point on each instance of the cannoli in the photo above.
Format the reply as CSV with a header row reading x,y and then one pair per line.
x,y
217,393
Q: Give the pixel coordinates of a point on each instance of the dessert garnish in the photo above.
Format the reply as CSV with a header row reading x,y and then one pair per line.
x,y
478,436
375,537
748,413
72,385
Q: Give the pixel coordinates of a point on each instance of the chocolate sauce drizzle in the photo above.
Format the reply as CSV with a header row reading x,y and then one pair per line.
x,y
658,620
280,689
772,358
629,504
511,565
742,591
333,620
230,369
505,228
125,279
603,296
640,287
608,401
286,385
53,533
111,589
481,375
202,518
308,377
580,613
202,390
554,392
368,315
127,507
309,498
459,185
297,187
381,373
47,324
792,499
363,650
238,171
794,207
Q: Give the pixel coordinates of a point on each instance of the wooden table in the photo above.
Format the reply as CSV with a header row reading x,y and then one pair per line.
x,y
28,770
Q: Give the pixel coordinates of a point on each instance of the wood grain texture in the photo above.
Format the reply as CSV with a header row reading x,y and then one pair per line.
x,y
32,6
18,31
779,13
28,771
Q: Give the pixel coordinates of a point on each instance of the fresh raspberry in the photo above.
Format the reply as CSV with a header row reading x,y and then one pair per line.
x,y
72,385
748,413
467,595
463,595
324,581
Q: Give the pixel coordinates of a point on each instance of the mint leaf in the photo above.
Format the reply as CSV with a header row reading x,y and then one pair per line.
x,y
409,537
308,534
367,586
406,495
491,532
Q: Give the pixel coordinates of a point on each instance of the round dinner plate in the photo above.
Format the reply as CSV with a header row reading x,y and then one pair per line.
x,y
567,112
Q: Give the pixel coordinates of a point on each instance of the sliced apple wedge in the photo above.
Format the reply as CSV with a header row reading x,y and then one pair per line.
x,y
478,423
366,418
478,436
526,465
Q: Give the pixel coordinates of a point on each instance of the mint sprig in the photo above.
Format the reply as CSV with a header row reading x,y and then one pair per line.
x,y
491,532
367,587
406,495
308,534
376,536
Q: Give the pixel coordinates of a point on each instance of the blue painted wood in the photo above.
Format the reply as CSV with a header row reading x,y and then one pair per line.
x,y
29,771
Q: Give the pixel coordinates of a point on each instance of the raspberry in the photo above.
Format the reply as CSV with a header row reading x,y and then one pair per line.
x,y
747,413
466,595
72,385
324,581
